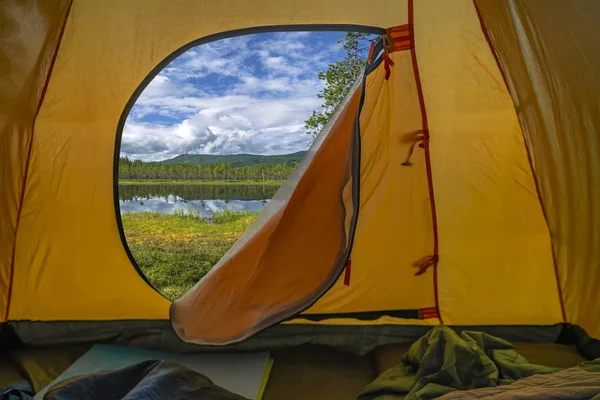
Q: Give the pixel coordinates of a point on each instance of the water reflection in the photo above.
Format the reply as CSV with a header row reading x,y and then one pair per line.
x,y
202,199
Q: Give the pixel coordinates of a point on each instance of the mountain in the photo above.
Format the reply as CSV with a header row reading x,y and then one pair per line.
x,y
236,160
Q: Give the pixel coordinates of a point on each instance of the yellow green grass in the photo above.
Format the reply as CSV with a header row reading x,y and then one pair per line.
x,y
175,251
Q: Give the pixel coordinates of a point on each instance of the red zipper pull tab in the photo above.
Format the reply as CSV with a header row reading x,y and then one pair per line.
x,y
347,273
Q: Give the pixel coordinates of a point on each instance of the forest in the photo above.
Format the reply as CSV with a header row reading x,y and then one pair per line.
x,y
155,171
199,192
236,160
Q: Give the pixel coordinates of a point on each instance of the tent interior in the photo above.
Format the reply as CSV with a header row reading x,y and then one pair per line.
x,y
456,192
299,372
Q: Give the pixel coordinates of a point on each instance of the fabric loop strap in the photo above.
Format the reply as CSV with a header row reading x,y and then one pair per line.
x,y
425,263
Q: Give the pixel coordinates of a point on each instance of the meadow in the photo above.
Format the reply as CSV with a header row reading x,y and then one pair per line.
x,y
174,251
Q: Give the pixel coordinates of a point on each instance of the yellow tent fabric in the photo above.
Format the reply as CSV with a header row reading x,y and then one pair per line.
x,y
553,78
25,62
458,184
494,241
71,248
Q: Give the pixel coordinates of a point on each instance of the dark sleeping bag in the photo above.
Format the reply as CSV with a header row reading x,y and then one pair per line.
x,y
146,380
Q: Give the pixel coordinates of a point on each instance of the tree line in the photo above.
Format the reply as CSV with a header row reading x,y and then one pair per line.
x,y
143,171
198,192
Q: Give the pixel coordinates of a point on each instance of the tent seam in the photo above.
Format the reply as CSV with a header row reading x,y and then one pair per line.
x,y
425,128
28,159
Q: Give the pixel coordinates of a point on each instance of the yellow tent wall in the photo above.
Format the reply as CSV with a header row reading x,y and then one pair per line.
x,y
487,228
495,254
30,35
69,247
550,55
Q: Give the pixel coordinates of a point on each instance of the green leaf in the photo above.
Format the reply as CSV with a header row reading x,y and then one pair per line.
x,y
339,78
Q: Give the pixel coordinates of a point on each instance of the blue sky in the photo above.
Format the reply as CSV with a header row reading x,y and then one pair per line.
x,y
248,94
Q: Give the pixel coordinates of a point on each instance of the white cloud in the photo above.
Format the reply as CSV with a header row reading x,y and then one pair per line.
x,y
225,125
240,95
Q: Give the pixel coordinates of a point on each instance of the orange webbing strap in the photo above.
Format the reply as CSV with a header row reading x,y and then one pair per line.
x,y
430,312
399,38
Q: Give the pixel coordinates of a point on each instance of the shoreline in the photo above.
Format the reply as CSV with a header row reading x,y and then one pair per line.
x,y
194,182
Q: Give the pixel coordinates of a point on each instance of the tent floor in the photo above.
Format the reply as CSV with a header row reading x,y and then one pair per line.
x,y
299,373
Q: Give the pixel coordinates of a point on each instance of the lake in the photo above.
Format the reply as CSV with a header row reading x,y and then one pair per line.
x,y
203,199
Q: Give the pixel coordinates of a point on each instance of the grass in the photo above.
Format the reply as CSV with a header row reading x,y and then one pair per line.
x,y
184,182
175,251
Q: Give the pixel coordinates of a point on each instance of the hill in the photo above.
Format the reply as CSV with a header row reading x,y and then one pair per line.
x,y
236,160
